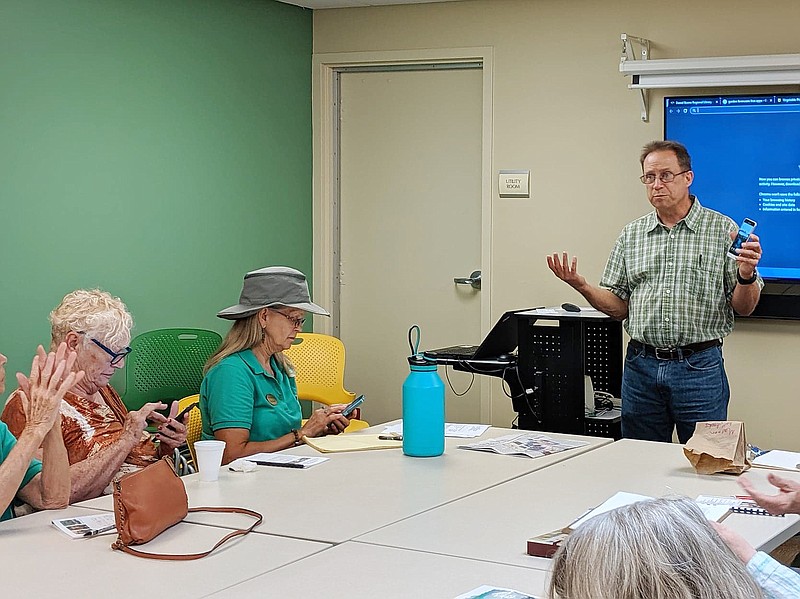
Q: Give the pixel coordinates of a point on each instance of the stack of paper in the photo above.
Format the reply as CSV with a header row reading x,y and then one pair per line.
x,y
779,459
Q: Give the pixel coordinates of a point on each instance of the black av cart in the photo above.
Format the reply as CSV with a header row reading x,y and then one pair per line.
x,y
556,349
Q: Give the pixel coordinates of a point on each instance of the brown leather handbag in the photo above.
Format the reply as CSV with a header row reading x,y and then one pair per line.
x,y
149,501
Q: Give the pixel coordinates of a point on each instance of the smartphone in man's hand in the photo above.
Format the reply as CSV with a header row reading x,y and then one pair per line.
x,y
745,229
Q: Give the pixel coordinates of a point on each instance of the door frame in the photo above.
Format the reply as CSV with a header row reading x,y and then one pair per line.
x,y
326,71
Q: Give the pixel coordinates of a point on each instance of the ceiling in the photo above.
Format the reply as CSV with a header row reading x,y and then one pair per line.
x,y
317,4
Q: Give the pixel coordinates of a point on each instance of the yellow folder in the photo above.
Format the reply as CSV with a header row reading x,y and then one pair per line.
x,y
351,442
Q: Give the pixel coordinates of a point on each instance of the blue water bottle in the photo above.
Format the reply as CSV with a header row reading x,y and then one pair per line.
x,y
423,405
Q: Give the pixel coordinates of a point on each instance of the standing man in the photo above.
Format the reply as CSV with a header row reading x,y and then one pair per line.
x,y
669,279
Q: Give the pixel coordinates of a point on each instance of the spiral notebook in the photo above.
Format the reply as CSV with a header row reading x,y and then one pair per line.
x,y
736,505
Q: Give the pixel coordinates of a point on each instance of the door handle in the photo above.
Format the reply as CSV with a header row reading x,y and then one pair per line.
x,y
474,280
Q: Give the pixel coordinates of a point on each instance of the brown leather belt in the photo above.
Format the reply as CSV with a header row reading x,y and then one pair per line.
x,y
674,353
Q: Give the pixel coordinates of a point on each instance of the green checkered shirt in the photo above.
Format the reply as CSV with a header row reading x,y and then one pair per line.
x,y
679,281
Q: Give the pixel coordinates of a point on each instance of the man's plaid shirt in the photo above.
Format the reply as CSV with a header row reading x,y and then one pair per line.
x,y
679,281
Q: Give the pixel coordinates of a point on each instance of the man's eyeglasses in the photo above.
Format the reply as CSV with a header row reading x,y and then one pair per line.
x,y
665,177
296,322
116,357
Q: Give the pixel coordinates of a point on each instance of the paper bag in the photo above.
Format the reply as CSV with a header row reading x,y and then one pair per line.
x,y
718,446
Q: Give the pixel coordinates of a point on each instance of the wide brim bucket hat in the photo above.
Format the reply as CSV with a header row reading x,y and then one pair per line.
x,y
272,286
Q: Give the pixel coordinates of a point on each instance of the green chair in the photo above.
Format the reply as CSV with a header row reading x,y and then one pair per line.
x,y
166,365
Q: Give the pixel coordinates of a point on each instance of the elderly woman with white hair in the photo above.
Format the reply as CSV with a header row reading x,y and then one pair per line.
x,y
102,438
248,397
655,549
664,549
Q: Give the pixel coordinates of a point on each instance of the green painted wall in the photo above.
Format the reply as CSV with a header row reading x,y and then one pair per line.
x,y
157,149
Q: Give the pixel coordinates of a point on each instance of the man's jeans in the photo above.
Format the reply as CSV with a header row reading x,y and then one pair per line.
x,y
658,395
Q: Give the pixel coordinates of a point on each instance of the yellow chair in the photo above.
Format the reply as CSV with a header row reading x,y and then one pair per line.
x,y
319,365
194,426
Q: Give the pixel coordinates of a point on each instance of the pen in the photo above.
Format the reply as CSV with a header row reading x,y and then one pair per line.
x,y
99,531
280,464
700,260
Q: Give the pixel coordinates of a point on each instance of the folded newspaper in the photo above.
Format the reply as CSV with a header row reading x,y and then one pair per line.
x,y
533,445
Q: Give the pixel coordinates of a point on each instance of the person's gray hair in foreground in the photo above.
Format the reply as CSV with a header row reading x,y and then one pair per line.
x,y
655,549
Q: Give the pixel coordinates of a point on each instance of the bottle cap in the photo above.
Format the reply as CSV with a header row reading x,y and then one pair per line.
x,y
420,360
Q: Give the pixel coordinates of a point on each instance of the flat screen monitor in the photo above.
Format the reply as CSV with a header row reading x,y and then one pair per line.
x,y
746,159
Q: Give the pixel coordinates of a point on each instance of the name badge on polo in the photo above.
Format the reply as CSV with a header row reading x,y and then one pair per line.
x,y
272,399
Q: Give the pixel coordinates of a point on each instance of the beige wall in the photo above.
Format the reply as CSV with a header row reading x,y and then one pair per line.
x,y
562,110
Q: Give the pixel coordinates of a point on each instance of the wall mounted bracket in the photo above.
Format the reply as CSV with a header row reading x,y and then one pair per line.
x,y
713,71
637,48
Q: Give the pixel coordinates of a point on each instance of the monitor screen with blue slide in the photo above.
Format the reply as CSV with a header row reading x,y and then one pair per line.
x,y
746,159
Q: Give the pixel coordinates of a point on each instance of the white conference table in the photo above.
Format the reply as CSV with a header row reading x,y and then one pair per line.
x,y
426,528
362,570
41,561
494,525
356,492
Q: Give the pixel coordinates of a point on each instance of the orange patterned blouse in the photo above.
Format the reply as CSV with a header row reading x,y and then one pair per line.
x,y
88,427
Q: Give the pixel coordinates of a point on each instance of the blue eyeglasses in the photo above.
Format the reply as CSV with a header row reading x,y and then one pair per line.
x,y
116,357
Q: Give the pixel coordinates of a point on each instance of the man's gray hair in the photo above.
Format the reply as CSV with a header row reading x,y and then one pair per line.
x,y
680,151
655,549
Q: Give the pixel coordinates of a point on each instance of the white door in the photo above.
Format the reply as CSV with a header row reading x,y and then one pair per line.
x,y
410,217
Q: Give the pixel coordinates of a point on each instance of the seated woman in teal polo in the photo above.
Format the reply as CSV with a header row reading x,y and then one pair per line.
x,y
248,397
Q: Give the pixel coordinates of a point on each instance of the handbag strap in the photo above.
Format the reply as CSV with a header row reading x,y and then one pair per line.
x,y
189,556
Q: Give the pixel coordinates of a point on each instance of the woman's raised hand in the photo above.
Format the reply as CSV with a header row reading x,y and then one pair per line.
x,y
41,393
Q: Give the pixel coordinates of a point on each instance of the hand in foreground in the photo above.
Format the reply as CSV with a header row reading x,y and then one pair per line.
x,y
41,393
136,421
735,541
171,431
565,270
748,255
787,501
325,421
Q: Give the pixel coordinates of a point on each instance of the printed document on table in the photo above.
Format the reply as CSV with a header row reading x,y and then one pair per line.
x,y
533,445
777,458
285,459
92,525
461,431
